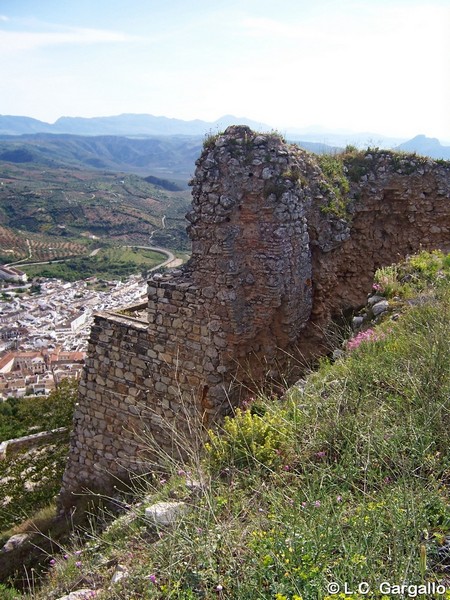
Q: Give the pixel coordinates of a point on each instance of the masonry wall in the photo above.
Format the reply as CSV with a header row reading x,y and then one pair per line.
x,y
107,426
12,447
142,380
399,205
271,265
184,361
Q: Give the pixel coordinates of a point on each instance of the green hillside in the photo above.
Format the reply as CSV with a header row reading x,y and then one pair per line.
x,y
168,157
49,213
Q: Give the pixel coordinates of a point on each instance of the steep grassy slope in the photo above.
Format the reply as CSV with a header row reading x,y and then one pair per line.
x,y
30,479
342,480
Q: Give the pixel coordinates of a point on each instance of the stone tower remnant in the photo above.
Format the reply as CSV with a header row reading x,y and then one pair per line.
x,y
273,260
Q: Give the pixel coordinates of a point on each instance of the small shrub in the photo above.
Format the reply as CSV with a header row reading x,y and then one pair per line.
x,y
248,440
426,270
210,140
7,593
386,281
350,149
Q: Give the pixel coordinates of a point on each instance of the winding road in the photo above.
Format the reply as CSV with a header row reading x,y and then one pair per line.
x,y
171,258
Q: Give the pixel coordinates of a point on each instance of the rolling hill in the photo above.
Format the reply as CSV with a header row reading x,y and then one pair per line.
x,y
170,157
51,212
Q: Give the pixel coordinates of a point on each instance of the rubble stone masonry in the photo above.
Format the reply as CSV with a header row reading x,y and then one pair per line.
x,y
277,251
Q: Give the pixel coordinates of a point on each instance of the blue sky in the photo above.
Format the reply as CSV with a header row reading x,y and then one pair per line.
x,y
358,65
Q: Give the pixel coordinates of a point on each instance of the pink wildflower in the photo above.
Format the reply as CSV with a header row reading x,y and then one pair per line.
x,y
369,335
245,404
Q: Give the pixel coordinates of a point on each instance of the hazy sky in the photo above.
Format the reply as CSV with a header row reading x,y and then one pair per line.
x,y
361,65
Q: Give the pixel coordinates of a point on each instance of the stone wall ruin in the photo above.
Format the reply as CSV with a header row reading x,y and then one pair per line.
x,y
275,255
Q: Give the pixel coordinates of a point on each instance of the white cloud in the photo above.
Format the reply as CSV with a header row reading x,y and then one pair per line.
x,y
4,18
15,41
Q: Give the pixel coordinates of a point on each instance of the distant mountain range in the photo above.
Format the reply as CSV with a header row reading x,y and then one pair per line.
x,y
160,146
426,146
126,124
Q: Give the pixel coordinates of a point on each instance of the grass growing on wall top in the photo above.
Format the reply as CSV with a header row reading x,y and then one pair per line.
x,y
333,169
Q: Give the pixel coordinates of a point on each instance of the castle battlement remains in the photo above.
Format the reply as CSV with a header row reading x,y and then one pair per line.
x,y
278,248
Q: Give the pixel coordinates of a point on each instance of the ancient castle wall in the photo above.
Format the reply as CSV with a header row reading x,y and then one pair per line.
x,y
142,378
272,262
397,206
103,441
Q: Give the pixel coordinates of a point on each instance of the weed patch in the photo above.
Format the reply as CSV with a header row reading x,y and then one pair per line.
x,y
333,170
